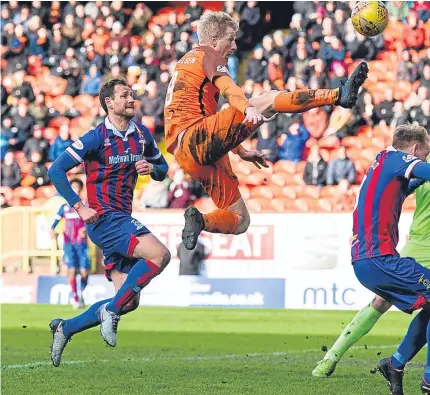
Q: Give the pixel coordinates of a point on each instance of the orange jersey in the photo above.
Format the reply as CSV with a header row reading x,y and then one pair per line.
x,y
191,94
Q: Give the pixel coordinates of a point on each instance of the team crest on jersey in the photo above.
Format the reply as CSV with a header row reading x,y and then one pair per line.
x,y
107,143
78,145
408,158
222,69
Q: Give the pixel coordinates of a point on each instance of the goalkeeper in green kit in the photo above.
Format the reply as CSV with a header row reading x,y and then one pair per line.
x,y
418,247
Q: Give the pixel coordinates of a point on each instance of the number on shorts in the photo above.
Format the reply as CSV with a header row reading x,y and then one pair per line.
x,y
169,94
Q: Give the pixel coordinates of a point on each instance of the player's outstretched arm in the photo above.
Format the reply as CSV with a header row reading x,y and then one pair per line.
x,y
153,162
58,175
237,99
422,170
414,184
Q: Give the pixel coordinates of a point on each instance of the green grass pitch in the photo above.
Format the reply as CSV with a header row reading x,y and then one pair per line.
x,y
193,351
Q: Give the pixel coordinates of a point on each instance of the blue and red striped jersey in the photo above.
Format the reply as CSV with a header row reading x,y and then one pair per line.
x,y
379,204
72,225
109,157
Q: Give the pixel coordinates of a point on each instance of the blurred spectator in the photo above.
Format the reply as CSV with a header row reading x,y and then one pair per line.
x,y
340,122
414,35
3,201
399,10
37,143
384,111
406,69
92,81
22,89
425,79
292,144
73,77
301,66
256,69
362,48
91,57
5,107
152,103
57,47
172,25
166,50
422,7
316,121
39,172
39,111
334,50
139,19
100,38
150,65
318,78
179,192
10,172
422,114
340,169
339,74
18,48
183,45
267,142
11,137
71,32
60,144
366,109
193,12
399,117
315,172
24,121
191,261
275,70
119,34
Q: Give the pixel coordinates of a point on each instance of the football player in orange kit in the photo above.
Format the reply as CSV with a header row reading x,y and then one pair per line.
x,y
201,138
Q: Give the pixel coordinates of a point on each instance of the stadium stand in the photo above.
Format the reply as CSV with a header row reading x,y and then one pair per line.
x,y
56,55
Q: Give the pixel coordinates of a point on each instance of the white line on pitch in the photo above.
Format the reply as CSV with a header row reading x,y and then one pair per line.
x,y
189,359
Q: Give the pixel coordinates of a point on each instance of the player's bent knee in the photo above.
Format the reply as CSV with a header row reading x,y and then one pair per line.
x,y
264,103
72,273
380,304
131,306
163,259
243,224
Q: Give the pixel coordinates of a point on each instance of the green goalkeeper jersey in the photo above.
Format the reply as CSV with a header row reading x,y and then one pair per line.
x,y
420,228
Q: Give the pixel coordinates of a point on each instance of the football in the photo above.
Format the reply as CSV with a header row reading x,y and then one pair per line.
x,y
370,18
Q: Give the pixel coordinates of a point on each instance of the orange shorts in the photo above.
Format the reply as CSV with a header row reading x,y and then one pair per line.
x,y
203,154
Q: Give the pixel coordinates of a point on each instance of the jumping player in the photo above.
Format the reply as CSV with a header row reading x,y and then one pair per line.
x,y
75,245
417,247
399,280
200,138
114,153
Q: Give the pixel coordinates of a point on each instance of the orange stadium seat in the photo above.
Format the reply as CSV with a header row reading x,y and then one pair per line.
x,y
281,179
282,205
310,191
50,133
261,192
284,166
83,103
256,179
46,192
63,103
354,153
328,191
325,204
245,192
24,193
57,122
352,142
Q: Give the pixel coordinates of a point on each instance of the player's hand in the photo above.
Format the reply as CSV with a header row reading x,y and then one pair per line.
x,y
53,235
144,168
87,214
255,157
252,115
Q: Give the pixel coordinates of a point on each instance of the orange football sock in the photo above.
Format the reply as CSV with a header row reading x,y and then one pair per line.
x,y
304,99
221,221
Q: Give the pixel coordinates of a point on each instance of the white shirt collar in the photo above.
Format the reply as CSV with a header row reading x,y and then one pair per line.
x,y
131,129
391,148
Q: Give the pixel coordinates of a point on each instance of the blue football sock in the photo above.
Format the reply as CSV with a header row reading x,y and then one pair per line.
x,y
414,341
140,275
427,371
88,319
84,282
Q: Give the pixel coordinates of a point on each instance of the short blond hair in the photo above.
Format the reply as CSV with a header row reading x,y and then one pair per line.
x,y
213,25
408,134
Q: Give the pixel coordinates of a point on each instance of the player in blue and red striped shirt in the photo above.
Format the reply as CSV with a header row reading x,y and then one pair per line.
x,y
378,266
75,246
114,154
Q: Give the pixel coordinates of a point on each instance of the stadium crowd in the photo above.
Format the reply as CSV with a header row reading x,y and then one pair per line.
x,y
56,55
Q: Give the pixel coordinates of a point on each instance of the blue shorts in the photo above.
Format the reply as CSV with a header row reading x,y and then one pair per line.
x,y
402,281
75,256
116,233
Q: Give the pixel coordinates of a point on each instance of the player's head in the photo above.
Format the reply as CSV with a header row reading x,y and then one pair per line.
x,y
77,186
413,140
116,98
218,30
